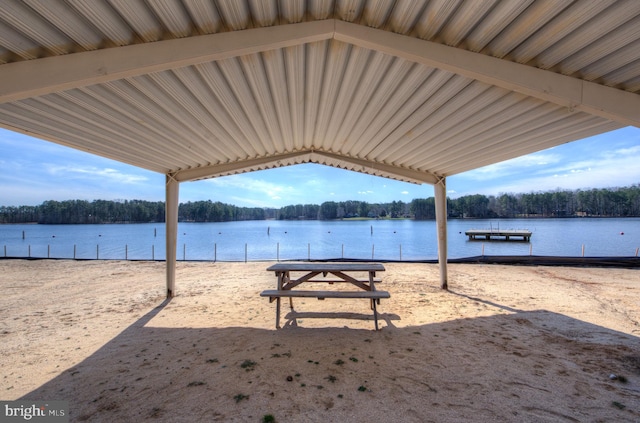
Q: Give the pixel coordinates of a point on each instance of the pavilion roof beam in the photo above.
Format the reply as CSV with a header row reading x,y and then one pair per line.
x,y
246,165
53,74
376,168
573,93
309,156
38,77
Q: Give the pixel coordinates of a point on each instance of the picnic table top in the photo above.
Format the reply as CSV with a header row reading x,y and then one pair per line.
x,y
326,267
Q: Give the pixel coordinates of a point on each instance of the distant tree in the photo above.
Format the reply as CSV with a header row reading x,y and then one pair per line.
x,y
363,209
396,208
329,210
506,205
423,208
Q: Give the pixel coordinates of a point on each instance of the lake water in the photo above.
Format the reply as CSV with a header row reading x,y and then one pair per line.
x,y
368,239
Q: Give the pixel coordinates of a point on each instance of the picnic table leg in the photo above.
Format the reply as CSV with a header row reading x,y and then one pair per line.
x,y
372,287
375,315
280,283
278,313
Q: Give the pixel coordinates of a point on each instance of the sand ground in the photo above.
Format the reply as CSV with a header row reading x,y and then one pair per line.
x,y
504,344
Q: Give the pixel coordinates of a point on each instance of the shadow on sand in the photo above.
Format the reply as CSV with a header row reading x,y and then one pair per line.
x,y
506,367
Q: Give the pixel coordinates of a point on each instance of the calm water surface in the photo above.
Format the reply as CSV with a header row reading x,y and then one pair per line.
x,y
368,239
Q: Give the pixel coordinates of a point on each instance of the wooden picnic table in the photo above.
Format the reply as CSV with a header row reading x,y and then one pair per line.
x,y
329,273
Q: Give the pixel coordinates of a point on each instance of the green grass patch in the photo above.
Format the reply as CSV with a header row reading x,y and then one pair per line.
x,y
248,365
240,397
618,405
197,383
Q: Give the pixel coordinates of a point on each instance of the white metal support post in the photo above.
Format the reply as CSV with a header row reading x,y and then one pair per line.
x,y
440,190
171,219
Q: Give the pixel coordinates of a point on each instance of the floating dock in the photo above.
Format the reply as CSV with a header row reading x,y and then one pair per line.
x,y
500,234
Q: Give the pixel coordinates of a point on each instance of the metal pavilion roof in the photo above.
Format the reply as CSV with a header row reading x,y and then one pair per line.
x,y
414,90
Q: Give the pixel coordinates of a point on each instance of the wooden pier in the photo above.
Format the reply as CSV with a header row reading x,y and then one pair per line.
x,y
505,234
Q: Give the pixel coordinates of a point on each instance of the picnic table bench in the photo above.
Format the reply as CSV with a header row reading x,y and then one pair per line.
x,y
317,273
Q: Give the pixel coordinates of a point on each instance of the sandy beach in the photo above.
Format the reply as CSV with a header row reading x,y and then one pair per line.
x,y
504,344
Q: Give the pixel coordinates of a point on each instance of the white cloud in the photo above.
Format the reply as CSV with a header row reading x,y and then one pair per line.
x,y
313,183
405,193
253,191
573,170
607,176
531,163
248,183
95,172
247,202
628,151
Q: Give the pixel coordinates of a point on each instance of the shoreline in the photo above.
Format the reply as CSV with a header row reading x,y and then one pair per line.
x,y
623,262
347,219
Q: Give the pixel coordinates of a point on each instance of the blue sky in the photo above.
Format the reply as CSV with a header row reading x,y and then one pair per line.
x,y
34,171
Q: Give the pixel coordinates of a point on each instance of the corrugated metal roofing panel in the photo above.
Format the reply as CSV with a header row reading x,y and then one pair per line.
x,y
540,139
327,101
106,20
599,50
520,29
139,18
235,14
204,15
24,20
292,11
463,20
17,45
625,77
70,24
233,71
494,23
320,9
264,12
173,17
434,17
557,32
590,42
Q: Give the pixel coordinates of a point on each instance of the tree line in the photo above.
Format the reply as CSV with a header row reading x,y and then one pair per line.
x,y
609,202
127,211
